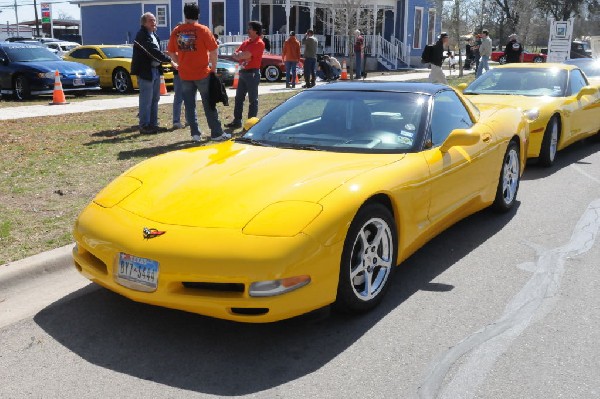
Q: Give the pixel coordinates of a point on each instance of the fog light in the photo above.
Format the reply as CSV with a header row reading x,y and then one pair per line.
x,y
278,287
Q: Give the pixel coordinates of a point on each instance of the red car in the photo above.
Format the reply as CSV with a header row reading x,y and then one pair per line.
x,y
272,67
499,56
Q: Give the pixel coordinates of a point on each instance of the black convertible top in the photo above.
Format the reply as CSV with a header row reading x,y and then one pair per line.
x,y
373,85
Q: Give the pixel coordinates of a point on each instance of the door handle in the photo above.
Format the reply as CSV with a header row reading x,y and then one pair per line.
x,y
487,138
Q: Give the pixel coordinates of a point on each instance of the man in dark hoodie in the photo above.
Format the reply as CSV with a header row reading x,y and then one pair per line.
x,y
145,63
513,50
437,58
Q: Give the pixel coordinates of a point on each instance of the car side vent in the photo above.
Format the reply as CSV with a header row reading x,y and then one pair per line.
x,y
223,287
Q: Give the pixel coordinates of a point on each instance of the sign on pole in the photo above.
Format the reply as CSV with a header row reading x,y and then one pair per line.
x,y
559,42
47,19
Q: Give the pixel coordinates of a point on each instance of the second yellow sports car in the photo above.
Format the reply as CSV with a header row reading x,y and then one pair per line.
x,y
562,105
316,204
113,65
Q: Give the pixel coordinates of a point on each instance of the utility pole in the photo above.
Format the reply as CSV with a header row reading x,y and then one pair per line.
x,y
17,17
37,24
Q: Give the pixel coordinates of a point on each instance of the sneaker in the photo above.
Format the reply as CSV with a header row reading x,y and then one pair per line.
x,y
233,125
223,137
148,130
196,138
177,125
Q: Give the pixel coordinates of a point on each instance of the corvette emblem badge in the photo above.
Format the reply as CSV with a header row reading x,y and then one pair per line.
x,y
152,232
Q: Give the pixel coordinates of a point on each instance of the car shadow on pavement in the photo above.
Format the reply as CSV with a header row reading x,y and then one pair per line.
x,y
211,356
571,155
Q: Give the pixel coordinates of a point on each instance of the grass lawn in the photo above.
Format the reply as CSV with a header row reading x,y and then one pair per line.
x,y
52,167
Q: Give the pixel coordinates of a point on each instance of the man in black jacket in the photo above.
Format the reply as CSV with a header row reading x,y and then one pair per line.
x,y
437,58
145,63
513,50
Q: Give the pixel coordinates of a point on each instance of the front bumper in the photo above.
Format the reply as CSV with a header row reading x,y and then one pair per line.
x,y
207,271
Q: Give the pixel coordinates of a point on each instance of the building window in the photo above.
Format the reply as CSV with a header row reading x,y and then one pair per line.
x,y
217,9
418,27
161,16
431,27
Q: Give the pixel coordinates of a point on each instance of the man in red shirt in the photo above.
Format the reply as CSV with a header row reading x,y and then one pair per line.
x,y
249,55
194,48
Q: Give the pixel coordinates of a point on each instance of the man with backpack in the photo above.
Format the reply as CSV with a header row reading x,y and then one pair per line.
x,y
434,55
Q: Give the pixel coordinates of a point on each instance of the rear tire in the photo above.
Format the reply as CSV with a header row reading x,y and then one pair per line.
x,y
550,143
272,74
508,183
502,60
368,259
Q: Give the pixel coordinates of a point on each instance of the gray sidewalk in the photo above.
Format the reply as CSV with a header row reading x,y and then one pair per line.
x,y
131,101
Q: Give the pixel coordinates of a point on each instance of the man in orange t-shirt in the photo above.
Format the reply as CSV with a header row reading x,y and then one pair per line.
x,y
194,48
291,56
249,55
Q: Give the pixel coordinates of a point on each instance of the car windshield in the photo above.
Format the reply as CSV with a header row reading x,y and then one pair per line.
x,y
523,81
118,52
344,121
30,54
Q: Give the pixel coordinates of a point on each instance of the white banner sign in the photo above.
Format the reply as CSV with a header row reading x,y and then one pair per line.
x,y
559,43
595,44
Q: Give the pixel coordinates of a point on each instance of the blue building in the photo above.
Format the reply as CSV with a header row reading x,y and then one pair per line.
x,y
396,31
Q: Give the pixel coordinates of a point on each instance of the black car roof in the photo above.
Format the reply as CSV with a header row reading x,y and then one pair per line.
x,y
373,85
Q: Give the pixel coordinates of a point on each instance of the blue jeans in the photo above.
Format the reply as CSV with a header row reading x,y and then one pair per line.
x,y
178,99
148,101
247,84
310,71
189,89
483,63
358,68
290,72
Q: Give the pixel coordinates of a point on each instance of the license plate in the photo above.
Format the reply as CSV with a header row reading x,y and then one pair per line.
x,y
137,273
78,82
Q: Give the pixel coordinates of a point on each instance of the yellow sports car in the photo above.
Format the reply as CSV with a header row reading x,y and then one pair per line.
x,y
113,65
561,104
317,203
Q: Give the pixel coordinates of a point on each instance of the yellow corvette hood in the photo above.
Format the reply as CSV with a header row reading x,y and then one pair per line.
x,y
226,185
513,101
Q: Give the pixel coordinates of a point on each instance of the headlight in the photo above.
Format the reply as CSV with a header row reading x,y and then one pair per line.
x,y
46,75
532,114
90,72
277,287
296,214
117,191
232,69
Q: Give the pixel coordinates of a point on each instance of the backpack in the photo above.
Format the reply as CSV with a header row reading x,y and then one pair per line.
x,y
427,54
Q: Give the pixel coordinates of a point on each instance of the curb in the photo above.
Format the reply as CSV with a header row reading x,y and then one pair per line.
x,y
14,273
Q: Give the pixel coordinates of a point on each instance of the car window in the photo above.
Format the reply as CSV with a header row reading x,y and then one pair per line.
x,y
576,82
227,50
526,82
346,121
118,52
448,113
83,53
29,54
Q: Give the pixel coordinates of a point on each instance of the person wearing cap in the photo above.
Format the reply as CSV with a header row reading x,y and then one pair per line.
x,y
291,56
436,75
513,50
485,51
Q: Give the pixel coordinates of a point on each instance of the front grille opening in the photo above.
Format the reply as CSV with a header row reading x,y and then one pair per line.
x,y
250,311
220,287
94,262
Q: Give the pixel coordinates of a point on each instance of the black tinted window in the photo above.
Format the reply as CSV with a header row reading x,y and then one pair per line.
x,y
576,81
83,53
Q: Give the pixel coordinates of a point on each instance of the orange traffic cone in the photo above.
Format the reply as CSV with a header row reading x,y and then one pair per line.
x,y
344,71
297,80
163,86
236,76
58,95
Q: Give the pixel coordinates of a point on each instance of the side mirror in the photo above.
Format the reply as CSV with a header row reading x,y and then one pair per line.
x,y
460,137
95,57
461,87
250,122
587,91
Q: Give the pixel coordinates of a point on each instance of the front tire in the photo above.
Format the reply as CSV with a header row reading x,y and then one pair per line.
x,y
368,259
510,175
550,143
122,81
272,73
538,60
21,89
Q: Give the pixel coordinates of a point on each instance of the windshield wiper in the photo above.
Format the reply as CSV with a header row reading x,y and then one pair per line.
x,y
302,147
248,140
